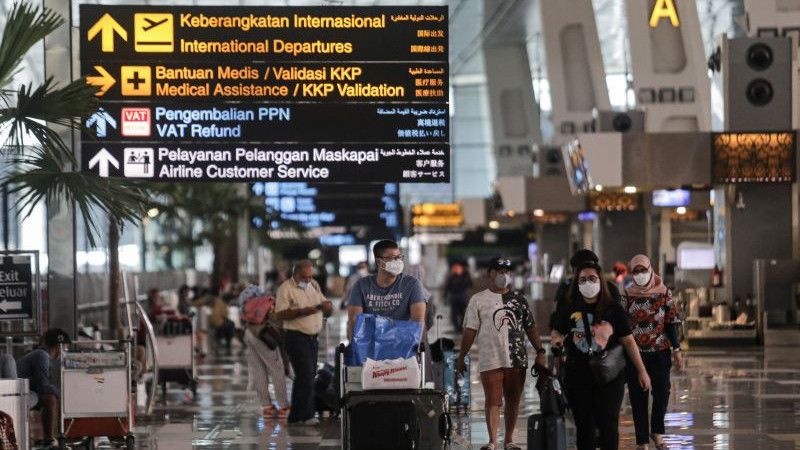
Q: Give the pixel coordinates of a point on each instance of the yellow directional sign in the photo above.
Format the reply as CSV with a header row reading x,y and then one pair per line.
x,y
664,9
153,32
104,81
106,27
135,80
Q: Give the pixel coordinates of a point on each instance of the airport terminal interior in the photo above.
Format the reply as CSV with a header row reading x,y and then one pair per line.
x,y
400,224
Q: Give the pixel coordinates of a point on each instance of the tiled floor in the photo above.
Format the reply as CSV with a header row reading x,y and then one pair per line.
x,y
744,399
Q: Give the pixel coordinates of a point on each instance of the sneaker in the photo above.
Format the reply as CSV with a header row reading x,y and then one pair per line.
x,y
311,422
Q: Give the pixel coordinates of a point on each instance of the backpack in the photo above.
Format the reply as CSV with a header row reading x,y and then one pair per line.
x,y
256,309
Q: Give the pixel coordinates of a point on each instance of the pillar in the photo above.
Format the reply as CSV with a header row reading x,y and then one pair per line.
x,y
61,277
668,63
575,68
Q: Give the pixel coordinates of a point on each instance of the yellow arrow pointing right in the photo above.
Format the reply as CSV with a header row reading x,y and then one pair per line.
x,y
106,27
104,81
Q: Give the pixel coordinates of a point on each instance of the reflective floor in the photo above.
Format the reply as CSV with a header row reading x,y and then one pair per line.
x,y
746,399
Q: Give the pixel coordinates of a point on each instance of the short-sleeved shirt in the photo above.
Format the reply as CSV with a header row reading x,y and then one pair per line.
x,y
35,366
650,318
290,296
393,301
569,322
502,322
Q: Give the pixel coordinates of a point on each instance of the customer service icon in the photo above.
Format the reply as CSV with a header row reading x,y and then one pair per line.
x,y
139,162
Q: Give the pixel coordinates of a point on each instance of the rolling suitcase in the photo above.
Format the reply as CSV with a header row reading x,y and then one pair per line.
x,y
396,419
547,432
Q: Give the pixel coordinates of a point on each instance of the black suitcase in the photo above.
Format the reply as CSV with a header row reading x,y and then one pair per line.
x,y
547,432
396,419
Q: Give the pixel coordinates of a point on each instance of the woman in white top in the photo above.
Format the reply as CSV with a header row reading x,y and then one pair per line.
x,y
500,318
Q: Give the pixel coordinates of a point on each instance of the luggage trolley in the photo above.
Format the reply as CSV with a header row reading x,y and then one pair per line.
x,y
433,427
96,392
175,340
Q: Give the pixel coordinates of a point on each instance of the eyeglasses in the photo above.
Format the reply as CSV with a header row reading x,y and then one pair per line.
x,y
589,279
392,258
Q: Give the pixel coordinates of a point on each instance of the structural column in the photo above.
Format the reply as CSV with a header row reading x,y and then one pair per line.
x,y
514,112
62,269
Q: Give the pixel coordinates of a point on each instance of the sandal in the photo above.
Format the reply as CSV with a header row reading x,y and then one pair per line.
x,y
658,440
489,446
511,446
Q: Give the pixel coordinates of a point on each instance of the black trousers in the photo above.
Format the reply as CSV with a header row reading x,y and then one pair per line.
x,y
658,365
302,350
593,406
458,306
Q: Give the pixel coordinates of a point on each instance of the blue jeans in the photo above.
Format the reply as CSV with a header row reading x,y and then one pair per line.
x,y
302,350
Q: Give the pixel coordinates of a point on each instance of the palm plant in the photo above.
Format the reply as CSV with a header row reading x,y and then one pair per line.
x,y
39,164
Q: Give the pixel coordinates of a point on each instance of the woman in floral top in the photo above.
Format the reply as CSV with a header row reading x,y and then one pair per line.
x,y
654,320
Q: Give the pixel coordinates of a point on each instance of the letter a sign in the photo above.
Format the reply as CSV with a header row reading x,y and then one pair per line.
x,y
664,9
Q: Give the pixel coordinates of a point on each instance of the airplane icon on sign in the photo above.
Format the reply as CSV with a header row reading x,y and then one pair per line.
x,y
152,23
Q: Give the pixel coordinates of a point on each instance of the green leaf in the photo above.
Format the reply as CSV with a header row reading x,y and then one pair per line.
x,y
38,108
41,177
25,26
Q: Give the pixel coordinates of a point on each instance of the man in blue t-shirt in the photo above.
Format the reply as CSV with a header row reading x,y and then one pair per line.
x,y
389,293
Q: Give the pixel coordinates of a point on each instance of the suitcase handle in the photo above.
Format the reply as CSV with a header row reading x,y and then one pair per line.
x,y
445,426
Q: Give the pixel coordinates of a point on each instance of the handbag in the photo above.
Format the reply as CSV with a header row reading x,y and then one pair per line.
x,y
607,364
270,335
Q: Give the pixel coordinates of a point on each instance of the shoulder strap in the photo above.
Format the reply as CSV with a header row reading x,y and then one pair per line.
x,y
587,330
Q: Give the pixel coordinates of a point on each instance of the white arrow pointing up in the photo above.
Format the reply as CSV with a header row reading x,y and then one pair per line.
x,y
6,305
103,158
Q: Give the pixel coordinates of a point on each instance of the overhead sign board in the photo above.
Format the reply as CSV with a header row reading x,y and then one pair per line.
x,y
267,80
313,205
16,288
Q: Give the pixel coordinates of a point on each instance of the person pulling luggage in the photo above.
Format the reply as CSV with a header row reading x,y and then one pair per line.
x,y
500,318
596,332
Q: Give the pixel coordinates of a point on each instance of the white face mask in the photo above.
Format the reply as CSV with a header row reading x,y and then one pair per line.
x,y
363,272
641,279
394,267
303,285
589,290
502,281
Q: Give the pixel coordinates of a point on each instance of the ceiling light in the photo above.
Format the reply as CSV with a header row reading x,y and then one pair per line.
x,y
153,213
599,188
630,189
538,212
494,224
681,210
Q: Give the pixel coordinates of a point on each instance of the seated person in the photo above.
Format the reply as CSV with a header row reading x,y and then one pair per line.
x,y
36,367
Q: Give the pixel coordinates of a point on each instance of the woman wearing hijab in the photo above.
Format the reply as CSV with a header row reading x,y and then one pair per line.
x,y
654,320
